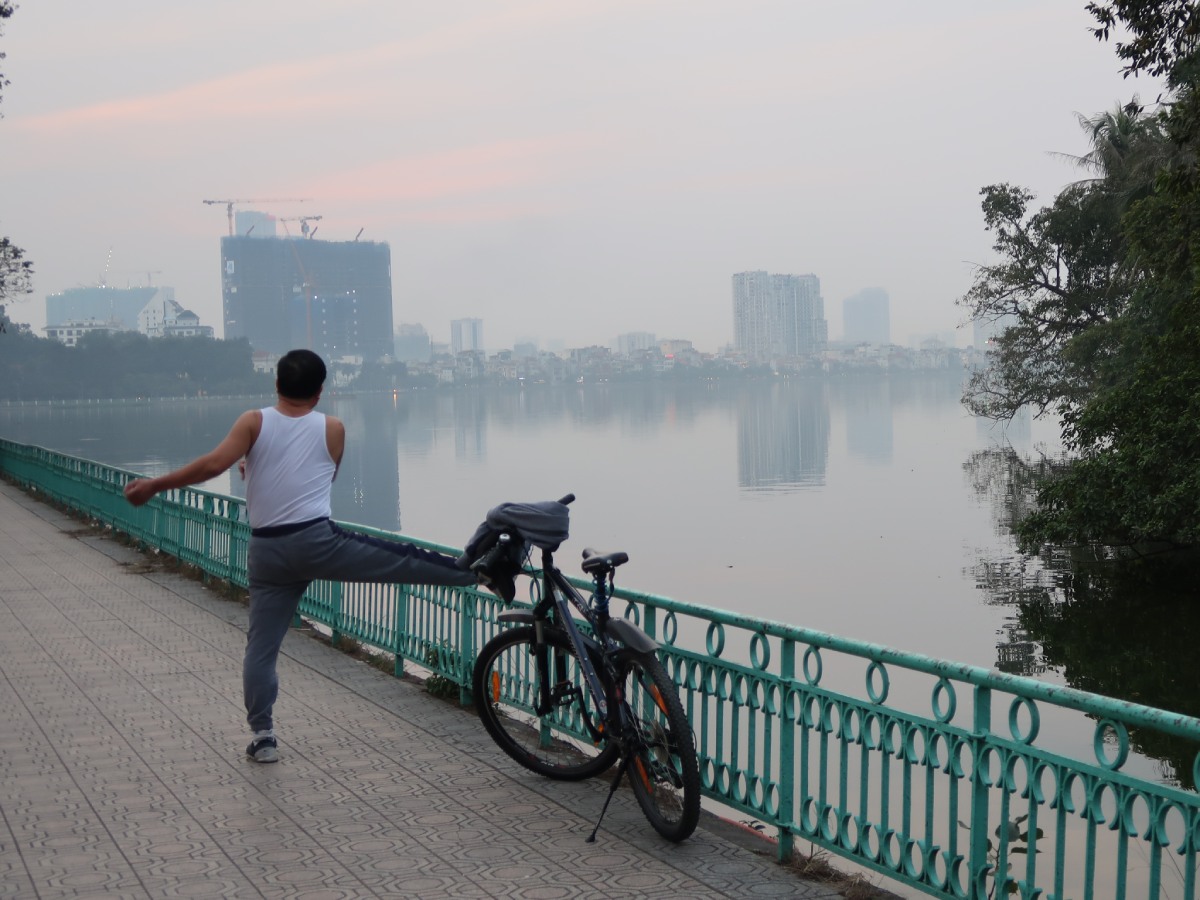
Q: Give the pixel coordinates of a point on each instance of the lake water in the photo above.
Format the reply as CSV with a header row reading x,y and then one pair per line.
x,y
861,507
836,505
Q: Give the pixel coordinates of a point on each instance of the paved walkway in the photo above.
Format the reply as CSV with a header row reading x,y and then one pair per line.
x,y
122,774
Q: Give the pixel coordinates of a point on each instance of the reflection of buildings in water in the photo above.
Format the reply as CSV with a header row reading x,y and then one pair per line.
x,y
470,426
869,420
1018,653
367,489
783,437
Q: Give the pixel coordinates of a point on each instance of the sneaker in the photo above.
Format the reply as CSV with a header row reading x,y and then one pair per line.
x,y
263,749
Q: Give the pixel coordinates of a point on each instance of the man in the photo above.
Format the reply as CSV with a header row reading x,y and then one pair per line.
x,y
289,456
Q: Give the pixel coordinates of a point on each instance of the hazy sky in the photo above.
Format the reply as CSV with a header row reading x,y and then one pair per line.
x,y
564,170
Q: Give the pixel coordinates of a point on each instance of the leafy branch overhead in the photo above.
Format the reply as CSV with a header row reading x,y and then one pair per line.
x,y
16,272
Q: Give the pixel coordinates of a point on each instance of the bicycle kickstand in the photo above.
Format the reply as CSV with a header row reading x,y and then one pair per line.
x,y
612,790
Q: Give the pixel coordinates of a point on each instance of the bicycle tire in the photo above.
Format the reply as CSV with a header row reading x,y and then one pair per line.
x,y
663,770
505,686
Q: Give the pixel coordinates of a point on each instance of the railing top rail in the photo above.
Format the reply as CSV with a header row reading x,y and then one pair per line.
x,y
1060,695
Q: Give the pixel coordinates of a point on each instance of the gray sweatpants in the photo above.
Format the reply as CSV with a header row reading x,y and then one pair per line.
x,y
281,569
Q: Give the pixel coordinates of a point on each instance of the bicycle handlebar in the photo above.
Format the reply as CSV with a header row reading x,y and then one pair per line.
x,y
568,499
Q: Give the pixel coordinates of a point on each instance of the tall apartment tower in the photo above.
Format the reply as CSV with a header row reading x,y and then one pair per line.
x,y
466,334
866,318
776,316
333,297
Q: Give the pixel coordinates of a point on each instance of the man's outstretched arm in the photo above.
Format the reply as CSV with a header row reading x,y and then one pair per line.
x,y
236,444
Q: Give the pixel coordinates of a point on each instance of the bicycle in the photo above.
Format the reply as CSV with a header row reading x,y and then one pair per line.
x,y
568,698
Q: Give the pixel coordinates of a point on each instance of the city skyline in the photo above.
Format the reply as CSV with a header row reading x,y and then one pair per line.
x,y
558,171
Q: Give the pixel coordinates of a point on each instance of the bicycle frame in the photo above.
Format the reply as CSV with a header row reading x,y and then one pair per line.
x,y
560,595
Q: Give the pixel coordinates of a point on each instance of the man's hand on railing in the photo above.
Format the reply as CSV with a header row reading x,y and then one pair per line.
x,y
140,490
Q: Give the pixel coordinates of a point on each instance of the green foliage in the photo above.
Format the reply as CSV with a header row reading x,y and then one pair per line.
x,y
126,364
1099,293
1162,32
16,273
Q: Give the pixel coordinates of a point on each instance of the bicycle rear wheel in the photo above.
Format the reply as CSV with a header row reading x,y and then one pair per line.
x,y
507,687
663,769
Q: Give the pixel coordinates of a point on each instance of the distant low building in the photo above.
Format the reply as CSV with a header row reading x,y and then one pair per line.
x,y
70,332
152,311
118,307
163,317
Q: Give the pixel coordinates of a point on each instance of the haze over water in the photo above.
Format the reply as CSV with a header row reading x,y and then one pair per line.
x,y
841,506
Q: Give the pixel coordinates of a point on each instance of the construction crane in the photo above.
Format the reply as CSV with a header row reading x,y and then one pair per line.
x,y
303,220
229,205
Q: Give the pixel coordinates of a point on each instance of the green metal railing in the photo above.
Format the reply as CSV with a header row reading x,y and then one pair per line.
x,y
948,778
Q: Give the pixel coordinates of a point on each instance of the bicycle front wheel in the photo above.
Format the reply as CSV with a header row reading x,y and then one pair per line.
x,y
663,768
514,678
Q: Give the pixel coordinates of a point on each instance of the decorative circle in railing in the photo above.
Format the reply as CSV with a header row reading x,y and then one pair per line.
x,y
715,639
793,700
872,730
936,750
891,736
1117,760
943,701
811,664
670,628
1023,736
986,757
848,832
739,689
830,714
829,823
889,850
770,701
724,684
760,651
740,787
868,841
850,731
914,860
915,741
695,672
879,682
809,819
723,779
770,803
1134,815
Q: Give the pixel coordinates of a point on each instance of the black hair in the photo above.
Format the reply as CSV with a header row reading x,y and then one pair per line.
x,y
299,375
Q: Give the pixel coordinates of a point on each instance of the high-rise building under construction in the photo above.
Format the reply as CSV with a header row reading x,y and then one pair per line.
x,y
333,297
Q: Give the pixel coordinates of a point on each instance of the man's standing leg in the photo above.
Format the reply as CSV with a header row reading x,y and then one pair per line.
x,y
273,606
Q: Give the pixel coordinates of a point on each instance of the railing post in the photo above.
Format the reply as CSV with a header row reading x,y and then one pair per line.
x,y
787,750
982,726
401,629
466,643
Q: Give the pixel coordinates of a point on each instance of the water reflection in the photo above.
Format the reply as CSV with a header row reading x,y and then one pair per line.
x,y
1122,627
783,436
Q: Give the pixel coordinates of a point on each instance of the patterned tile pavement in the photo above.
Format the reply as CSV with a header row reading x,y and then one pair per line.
x,y
122,771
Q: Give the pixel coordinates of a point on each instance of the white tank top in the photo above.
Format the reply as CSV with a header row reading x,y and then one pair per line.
x,y
289,472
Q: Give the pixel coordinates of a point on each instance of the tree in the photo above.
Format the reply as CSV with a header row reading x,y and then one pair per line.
x,y
1101,292
16,272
